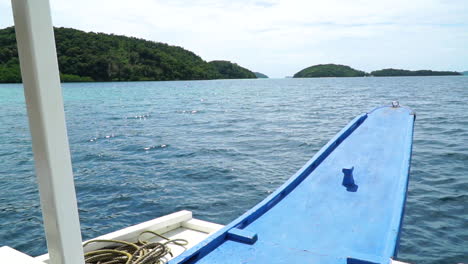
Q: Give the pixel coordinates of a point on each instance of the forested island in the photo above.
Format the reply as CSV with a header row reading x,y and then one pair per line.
x,y
260,75
329,70
88,56
399,72
84,56
335,70
229,70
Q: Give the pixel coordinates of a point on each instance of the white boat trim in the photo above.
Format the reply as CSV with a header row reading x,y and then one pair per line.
x,y
10,255
175,225
392,261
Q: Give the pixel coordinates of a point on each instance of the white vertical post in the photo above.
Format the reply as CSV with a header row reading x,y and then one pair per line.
x,y
39,69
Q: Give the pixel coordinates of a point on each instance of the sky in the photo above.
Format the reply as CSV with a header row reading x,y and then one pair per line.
x,y
281,37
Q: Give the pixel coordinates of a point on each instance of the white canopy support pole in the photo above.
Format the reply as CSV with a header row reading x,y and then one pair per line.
x,y
39,70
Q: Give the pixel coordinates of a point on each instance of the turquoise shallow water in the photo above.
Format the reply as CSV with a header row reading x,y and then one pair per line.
x,y
141,150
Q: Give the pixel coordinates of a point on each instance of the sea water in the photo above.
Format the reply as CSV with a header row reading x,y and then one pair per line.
x,y
145,149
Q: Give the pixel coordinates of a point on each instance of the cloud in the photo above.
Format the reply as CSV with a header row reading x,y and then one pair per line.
x,y
281,37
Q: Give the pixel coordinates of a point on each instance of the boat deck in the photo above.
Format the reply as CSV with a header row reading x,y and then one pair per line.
x,y
321,220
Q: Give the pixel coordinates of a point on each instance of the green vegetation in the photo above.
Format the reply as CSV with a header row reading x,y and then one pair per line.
x,y
10,71
333,70
398,72
329,70
87,57
102,57
229,70
260,75
74,78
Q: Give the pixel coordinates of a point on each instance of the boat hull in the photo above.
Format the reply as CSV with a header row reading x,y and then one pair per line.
x,y
345,205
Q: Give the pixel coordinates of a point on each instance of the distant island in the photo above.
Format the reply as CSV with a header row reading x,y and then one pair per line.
x,y
84,56
336,70
260,75
399,72
465,73
229,70
98,57
329,70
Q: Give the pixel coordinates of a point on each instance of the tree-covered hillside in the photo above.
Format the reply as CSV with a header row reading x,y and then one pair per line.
x,y
9,63
91,56
399,72
229,70
260,75
329,70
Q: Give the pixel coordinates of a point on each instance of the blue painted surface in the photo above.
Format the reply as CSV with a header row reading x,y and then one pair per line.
x,y
242,236
313,218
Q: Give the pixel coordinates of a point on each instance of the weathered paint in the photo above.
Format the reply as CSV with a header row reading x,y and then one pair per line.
x,y
313,218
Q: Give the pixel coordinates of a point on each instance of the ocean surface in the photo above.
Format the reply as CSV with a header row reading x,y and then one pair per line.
x,y
145,149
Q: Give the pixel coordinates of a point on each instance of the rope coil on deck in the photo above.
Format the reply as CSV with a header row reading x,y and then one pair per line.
x,y
140,252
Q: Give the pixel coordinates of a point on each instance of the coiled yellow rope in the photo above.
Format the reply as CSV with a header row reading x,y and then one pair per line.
x,y
140,252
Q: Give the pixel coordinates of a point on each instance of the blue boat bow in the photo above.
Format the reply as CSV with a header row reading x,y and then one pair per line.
x,y
345,205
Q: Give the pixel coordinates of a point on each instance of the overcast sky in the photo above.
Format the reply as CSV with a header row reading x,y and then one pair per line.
x,y
281,37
